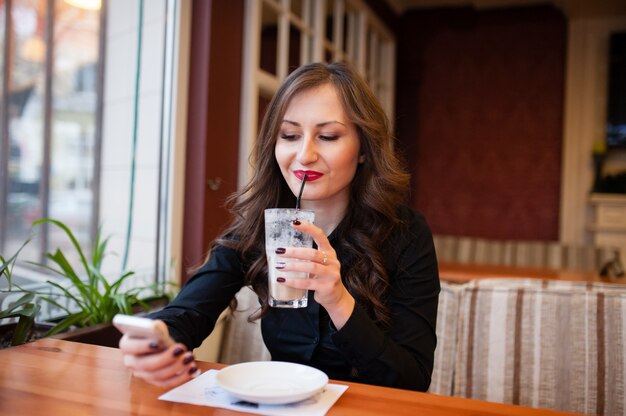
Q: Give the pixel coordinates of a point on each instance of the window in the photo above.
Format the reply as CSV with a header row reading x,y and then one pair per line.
x,y
284,34
88,126
48,121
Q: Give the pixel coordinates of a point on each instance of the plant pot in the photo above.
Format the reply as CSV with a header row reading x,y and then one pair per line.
x,y
154,303
6,333
105,335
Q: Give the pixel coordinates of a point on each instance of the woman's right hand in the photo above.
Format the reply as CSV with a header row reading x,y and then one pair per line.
x,y
162,366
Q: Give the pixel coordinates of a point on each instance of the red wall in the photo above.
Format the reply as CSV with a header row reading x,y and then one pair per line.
x,y
212,124
479,115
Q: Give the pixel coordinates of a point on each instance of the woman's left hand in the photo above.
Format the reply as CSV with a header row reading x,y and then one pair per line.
x,y
324,274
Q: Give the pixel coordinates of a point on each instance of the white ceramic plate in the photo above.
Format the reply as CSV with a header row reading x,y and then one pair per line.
x,y
271,382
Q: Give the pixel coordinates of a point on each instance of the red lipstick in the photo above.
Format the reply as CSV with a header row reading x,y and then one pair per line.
x,y
311,175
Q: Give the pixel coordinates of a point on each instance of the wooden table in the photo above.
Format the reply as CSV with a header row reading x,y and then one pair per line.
x,y
61,378
461,273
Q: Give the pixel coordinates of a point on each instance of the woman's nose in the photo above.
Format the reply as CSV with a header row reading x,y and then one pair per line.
x,y
307,153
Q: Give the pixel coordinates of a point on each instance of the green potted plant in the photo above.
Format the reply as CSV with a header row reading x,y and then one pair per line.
x,y
92,299
24,309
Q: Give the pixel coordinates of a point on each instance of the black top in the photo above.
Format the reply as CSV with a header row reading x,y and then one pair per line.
x,y
399,356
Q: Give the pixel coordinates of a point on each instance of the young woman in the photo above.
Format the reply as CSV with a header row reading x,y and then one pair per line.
x,y
374,282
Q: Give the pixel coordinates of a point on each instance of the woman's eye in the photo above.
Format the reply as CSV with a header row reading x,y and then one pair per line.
x,y
286,136
328,137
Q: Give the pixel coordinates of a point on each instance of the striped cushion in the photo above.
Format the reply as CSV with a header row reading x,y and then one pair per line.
x,y
442,380
551,255
543,347
535,283
242,341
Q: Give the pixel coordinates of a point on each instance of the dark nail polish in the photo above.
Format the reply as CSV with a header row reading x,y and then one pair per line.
x,y
188,359
192,370
280,279
178,351
154,345
296,222
280,265
281,250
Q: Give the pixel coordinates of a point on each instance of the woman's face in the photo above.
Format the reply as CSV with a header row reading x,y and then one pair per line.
x,y
316,138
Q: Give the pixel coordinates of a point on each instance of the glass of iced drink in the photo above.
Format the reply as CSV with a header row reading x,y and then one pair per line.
x,y
280,233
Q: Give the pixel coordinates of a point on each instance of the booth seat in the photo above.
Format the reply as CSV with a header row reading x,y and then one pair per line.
x,y
242,340
539,343
550,344
541,254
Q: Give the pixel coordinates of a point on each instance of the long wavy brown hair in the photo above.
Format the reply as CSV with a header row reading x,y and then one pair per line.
x,y
380,185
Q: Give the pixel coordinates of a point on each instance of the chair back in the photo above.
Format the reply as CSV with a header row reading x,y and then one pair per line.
x,y
242,340
553,255
442,381
543,344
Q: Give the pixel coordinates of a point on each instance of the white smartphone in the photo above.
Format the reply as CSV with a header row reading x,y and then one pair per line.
x,y
140,327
